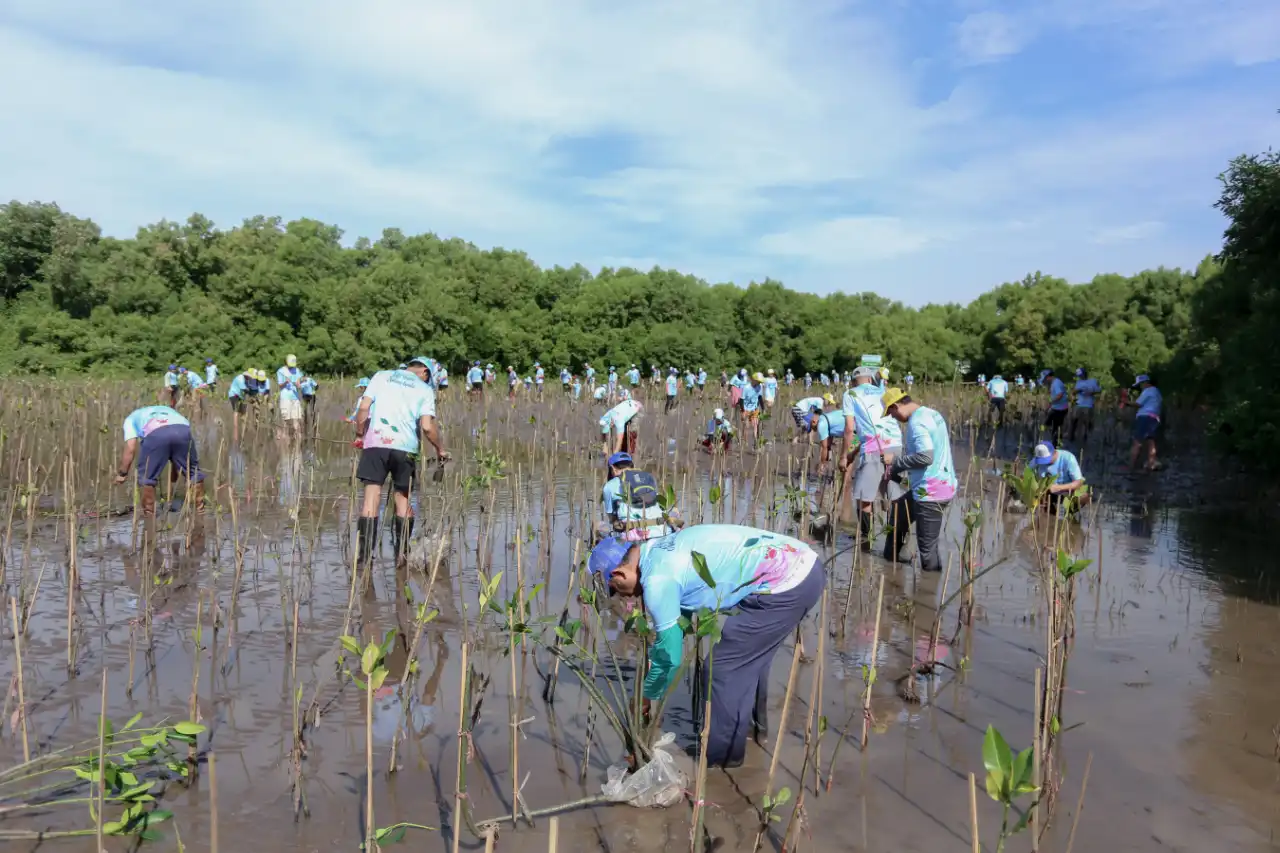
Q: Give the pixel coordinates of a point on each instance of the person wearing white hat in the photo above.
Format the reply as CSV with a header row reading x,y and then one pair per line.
x,y
872,439
673,390
719,430
752,394
770,389
1063,468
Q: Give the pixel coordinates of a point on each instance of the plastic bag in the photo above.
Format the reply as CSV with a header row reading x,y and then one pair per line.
x,y
658,784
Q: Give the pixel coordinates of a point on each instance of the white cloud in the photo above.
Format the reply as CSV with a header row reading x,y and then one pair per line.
x,y
988,36
1127,233
753,138
847,239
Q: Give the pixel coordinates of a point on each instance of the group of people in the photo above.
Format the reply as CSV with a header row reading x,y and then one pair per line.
x,y
1073,410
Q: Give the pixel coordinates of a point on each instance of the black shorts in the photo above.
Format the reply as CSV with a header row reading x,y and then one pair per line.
x,y
998,403
237,405
1055,418
476,386
377,462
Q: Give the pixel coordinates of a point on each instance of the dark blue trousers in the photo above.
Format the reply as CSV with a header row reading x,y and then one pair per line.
x,y
739,665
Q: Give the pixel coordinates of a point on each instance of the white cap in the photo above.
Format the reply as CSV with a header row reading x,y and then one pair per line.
x,y
719,413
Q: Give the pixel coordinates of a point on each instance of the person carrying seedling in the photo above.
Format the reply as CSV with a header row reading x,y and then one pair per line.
x,y
770,581
618,426
719,431
926,460
158,436
630,501
1063,469
396,412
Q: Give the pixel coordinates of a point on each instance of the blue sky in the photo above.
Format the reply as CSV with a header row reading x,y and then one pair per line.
x,y
924,149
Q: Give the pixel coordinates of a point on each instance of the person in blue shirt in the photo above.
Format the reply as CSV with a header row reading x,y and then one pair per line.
x,y
1059,404
397,411
719,431
690,382
910,379
475,380
752,399
590,373
1063,469
630,501
566,379
613,383
1146,425
633,376
577,389
702,384
770,389
872,438
489,374
829,426
362,384
1087,390
210,373
768,580
926,460
998,393
790,377
308,388
673,390
158,436
513,383
618,427
171,384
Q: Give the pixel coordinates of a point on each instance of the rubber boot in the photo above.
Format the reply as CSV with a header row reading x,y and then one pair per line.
x,y
760,714
401,536
864,530
366,535
896,533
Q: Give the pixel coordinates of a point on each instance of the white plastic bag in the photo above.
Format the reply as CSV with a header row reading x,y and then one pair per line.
x,y
658,784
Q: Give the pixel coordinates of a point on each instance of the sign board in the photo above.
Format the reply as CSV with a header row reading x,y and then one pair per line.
x,y
872,361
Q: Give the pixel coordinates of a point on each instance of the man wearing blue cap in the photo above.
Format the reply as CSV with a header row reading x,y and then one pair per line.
x,y
770,580
396,411
1150,405
630,501
1060,466
1059,404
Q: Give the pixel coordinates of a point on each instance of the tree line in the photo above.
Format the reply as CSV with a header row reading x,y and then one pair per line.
x,y
72,300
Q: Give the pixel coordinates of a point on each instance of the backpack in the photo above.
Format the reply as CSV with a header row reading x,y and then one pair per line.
x,y
638,489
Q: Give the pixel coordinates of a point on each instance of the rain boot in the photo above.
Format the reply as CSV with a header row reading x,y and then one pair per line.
x,y
864,530
366,535
401,536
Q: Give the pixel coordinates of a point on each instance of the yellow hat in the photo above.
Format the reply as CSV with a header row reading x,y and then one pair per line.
x,y
262,375
892,396
758,376
884,373
291,360
831,400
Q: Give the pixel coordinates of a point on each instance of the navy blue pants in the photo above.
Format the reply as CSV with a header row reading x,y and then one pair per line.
x,y
168,444
740,661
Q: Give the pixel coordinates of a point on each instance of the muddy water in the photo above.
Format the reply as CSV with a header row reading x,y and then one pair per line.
x,y
1171,679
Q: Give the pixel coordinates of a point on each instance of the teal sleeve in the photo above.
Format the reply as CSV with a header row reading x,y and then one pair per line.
x,y
664,660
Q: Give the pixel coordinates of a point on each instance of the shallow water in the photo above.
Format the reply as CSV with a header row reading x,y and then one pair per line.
x,y
1170,677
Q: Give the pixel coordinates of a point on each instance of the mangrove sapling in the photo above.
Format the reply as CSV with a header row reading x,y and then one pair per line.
x,y
1009,777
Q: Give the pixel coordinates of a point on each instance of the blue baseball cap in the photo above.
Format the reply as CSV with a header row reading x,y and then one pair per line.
x,y
1043,454
175,367
363,383
420,359
208,361
606,557
1141,377
620,457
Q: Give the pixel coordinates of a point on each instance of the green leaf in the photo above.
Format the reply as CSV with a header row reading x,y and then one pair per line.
x,y
369,658
998,759
389,834
188,728
700,566
995,786
379,676
784,796
714,495
158,816
1021,776
133,721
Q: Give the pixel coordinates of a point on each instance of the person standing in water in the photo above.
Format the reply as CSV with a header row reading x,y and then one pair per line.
x,y
397,411
288,379
210,373
1063,468
770,389
752,395
872,439
768,580
1146,425
673,390
1087,389
630,501
998,393
171,385
1059,404
926,459
475,381
157,436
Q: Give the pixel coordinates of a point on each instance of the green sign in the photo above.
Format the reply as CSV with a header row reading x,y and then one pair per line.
x,y
872,361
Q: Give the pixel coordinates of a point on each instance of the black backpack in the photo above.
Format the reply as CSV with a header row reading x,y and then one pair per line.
x,y
638,488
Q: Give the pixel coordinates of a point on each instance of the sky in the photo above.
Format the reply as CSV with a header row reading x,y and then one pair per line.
x,y
927,150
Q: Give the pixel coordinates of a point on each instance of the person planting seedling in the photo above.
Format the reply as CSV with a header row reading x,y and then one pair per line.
x,y
618,426
158,436
770,580
630,501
